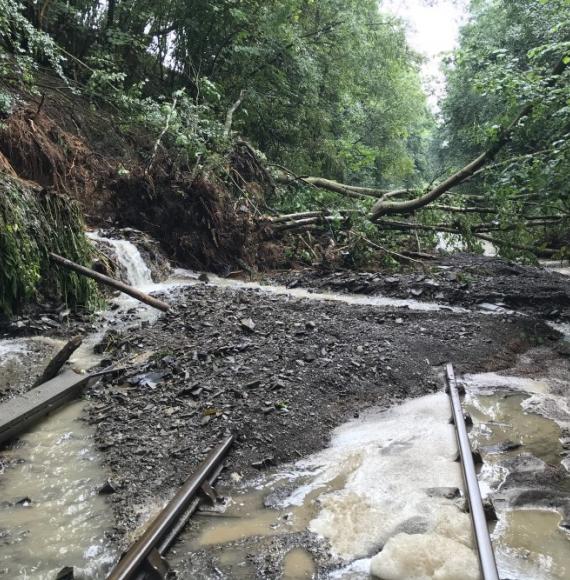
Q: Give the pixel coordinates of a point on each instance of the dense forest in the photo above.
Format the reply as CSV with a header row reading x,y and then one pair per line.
x,y
309,116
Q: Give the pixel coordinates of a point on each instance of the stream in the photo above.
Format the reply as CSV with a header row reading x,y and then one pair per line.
x,y
382,495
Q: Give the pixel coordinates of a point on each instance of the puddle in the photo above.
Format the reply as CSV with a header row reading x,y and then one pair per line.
x,y
514,416
529,544
501,423
298,565
64,524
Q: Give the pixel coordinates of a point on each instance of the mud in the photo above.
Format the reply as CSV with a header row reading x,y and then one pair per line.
x,y
484,282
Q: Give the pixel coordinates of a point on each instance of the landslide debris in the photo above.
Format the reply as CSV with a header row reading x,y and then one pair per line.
x,y
280,384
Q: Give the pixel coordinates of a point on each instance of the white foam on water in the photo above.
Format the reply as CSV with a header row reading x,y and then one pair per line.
x,y
488,382
425,557
389,459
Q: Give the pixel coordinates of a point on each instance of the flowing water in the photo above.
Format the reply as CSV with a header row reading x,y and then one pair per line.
x,y
51,514
382,495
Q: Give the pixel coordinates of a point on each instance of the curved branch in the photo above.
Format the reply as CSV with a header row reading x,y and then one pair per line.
x,y
383,207
342,188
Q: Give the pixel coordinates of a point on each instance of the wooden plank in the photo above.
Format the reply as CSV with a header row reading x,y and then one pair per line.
x,y
19,413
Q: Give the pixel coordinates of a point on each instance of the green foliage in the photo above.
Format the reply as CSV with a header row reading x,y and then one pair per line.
x,y
33,224
22,46
331,86
507,53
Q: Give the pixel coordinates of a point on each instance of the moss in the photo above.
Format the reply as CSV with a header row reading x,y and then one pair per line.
x,y
32,224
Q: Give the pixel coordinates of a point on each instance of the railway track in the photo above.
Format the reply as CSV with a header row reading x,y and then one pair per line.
x,y
472,493
145,558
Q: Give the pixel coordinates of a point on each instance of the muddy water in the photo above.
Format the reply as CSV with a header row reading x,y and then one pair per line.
x,y
528,542
55,467
380,482
376,494
356,299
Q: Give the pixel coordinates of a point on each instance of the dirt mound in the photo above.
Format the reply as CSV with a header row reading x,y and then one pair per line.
x,y
204,220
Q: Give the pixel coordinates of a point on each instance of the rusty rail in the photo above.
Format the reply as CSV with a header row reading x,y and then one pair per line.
x,y
472,491
145,555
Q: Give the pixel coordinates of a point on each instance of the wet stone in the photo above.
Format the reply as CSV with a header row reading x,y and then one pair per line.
x,y
107,488
264,463
445,492
66,573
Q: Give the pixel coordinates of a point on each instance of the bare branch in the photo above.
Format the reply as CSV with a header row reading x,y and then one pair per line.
x,y
230,113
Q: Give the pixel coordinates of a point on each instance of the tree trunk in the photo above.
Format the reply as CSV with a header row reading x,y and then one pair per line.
x,y
384,207
154,302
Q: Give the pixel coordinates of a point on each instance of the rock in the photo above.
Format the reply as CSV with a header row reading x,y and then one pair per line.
x,y
490,307
205,420
445,492
107,488
416,291
203,277
247,324
252,384
477,457
431,283
452,276
264,463
490,511
65,574
23,501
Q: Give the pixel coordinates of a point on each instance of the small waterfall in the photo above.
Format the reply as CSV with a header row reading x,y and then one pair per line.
x,y
129,257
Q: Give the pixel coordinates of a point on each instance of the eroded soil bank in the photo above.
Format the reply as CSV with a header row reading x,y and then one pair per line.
x,y
280,372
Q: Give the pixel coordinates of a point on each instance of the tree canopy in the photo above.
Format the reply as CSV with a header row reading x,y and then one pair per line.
x,y
331,89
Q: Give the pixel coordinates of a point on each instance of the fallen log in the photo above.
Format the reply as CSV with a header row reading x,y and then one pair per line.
x,y
121,286
59,360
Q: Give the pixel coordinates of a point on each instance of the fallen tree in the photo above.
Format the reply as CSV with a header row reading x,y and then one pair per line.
x,y
407,201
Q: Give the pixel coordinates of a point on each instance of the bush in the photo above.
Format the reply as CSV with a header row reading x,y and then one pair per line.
x,y
32,224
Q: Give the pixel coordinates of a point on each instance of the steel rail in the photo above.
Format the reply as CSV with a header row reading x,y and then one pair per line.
x,y
131,562
473,493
